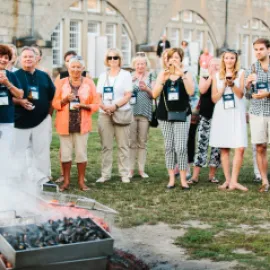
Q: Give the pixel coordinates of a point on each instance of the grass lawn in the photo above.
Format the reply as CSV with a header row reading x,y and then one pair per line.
x,y
238,221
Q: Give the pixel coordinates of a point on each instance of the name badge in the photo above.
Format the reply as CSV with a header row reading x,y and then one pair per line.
x,y
228,101
33,93
173,93
133,99
74,102
108,93
4,98
262,86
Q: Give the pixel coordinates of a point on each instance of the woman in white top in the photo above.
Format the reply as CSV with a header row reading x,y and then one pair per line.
x,y
115,89
228,129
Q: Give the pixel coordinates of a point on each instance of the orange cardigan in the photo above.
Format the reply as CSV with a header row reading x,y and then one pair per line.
x,y
87,94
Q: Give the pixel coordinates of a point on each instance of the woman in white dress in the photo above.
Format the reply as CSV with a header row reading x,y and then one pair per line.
x,y
229,128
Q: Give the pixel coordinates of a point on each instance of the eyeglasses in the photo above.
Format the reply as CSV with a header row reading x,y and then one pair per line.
x,y
113,57
142,54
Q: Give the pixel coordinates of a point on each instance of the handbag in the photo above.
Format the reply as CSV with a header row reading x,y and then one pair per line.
x,y
175,116
122,118
154,121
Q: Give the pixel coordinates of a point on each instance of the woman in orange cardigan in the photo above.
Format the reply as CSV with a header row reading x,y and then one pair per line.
x,y
75,101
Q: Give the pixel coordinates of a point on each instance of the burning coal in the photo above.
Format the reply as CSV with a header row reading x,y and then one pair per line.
x,y
53,232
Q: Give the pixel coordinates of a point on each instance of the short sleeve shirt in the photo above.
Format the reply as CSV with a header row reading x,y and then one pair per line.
x,y
121,84
29,119
260,106
7,111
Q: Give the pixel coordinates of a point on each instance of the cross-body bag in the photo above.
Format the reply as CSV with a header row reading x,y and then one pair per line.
x,y
175,116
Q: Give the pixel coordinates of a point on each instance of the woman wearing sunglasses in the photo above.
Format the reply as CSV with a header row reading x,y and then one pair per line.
x,y
115,90
228,127
141,102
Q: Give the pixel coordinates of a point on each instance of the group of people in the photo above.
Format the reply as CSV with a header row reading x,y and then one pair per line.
x,y
124,102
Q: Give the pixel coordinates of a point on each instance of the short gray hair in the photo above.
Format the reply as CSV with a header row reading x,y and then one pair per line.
x,y
77,59
28,48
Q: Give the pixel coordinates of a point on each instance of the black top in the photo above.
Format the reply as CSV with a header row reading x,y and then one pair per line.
x,y
65,74
42,81
7,111
180,105
207,105
160,47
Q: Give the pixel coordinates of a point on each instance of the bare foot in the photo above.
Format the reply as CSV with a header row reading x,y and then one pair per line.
x,y
238,186
224,186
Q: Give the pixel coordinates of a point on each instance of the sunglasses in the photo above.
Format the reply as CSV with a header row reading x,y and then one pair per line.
x,y
142,54
113,57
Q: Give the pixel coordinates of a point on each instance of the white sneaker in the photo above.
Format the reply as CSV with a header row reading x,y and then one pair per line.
x,y
144,175
125,180
102,180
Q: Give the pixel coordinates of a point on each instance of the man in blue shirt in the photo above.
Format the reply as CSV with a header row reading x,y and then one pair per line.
x,y
33,118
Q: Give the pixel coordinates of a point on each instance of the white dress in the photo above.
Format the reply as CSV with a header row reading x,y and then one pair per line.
x,y
228,127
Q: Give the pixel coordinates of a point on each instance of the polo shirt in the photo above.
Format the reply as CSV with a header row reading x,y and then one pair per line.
x,y
7,111
41,80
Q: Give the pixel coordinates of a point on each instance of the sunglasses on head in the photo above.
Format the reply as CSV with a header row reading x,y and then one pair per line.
x,y
142,54
113,57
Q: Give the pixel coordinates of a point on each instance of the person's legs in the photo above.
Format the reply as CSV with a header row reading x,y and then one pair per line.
x,y
143,129
262,162
66,148
214,163
41,140
237,163
122,137
133,145
257,174
225,161
202,147
191,147
180,133
106,132
80,144
167,131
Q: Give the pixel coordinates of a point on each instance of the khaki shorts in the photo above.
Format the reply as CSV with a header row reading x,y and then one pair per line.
x,y
75,141
260,129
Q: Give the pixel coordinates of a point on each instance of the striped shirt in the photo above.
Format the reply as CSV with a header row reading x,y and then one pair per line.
x,y
143,106
259,106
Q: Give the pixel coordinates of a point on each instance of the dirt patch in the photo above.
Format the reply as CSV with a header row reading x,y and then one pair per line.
x,y
154,245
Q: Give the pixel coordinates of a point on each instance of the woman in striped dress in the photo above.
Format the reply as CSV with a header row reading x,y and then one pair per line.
x,y
141,102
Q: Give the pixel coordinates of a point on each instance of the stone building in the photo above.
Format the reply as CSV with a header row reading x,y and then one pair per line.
x,y
78,24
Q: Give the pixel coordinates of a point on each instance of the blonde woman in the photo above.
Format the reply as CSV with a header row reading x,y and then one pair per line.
x,y
141,102
115,90
228,129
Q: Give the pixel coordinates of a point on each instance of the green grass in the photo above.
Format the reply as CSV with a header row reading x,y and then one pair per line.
x,y
148,202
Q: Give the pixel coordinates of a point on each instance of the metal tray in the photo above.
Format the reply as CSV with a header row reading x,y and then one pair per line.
x,y
56,254
98,263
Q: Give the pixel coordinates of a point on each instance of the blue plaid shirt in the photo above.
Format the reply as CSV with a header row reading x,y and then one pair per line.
x,y
259,106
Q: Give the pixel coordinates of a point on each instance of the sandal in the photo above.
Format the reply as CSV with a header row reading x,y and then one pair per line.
x,y
264,188
63,188
192,181
213,180
84,188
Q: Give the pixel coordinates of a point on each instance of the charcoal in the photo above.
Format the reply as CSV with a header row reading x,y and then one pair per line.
x,y
50,233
